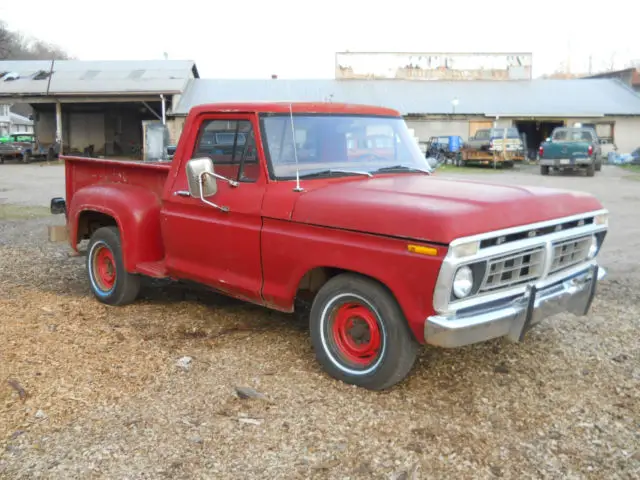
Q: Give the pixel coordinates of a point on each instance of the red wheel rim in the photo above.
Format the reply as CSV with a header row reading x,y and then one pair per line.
x,y
104,267
356,333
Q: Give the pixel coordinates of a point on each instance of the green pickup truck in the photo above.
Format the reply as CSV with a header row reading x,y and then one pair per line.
x,y
571,148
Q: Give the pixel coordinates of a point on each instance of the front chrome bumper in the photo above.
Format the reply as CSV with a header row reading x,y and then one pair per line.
x,y
512,318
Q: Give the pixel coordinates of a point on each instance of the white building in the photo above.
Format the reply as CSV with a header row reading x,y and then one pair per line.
x,y
11,122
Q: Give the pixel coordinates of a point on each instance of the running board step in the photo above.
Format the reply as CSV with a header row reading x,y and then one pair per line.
x,y
153,269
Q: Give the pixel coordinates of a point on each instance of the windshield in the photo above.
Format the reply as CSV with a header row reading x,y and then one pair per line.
x,y
572,136
339,142
499,133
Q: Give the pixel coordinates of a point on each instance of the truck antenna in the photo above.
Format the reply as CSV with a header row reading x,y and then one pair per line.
x,y
295,151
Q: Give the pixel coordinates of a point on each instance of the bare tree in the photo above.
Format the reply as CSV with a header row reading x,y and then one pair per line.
x,y
6,42
14,46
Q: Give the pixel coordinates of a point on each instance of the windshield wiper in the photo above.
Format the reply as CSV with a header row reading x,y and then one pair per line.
x,y
330,171
401,168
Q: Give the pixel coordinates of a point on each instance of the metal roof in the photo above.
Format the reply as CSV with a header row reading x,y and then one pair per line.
x,y
541,98
75,77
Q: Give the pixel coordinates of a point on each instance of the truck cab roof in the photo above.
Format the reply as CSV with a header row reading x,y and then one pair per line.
x,y
296,107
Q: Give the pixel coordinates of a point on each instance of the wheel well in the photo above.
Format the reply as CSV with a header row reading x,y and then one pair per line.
x,y
89,221
312,281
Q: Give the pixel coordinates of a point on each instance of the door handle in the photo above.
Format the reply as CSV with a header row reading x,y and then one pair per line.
x,y
182,193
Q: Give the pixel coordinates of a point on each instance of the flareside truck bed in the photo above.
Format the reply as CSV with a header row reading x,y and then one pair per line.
x,y
81,172
129,192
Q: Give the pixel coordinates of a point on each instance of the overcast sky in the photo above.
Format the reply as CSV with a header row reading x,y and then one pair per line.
x,y
298,39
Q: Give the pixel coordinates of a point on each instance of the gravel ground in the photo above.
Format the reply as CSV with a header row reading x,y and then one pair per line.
x,y
94,392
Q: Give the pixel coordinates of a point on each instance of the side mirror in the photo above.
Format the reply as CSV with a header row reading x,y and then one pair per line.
x,y
201,177
58,205
202,180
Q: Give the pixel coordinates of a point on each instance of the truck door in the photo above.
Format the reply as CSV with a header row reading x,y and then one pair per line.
x,y
203,243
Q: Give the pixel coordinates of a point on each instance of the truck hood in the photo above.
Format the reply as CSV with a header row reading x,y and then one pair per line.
x,y
434,209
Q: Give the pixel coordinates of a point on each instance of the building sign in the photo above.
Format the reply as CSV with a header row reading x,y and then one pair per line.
x,y
434,66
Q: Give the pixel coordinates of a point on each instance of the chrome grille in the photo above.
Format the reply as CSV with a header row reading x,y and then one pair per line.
x,y
567,253
513,269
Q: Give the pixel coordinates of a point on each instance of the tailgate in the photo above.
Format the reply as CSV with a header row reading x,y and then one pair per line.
x,y
512,144
566,150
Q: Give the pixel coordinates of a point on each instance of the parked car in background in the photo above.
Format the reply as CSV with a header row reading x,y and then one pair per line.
x,y
378,254
26,147
571,148
501,145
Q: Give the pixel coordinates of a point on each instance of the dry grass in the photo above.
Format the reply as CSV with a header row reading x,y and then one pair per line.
x,y
22,212
488,169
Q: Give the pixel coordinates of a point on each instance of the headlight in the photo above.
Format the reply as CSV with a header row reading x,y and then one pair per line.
x,y
463,282
593,248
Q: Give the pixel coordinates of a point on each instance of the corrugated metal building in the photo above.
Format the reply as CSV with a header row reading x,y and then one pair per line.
x,y
95,105
628,76
454,107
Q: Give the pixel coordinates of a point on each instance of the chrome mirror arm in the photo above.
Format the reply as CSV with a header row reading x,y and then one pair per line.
x,y
233,183
204,200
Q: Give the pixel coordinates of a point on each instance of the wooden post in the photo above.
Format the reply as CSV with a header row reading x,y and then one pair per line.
x,y
59,126
58,233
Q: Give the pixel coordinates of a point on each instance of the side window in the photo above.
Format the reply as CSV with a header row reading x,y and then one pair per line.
x,y
232,147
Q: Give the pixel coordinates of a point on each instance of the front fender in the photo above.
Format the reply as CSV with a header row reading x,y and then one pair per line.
x,y
290,250
136,211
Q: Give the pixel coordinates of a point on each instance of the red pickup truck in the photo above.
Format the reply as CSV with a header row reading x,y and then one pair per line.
x,y
290,207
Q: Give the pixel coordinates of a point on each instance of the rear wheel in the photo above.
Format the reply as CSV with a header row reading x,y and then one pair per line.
x,y
591,171
598,166
359,333
109,281
26,157
544,169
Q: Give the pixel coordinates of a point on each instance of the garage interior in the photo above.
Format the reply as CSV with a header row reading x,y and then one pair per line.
x,y
534,132
98,129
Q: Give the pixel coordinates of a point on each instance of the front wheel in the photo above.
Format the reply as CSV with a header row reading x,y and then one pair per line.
x,y
544,169
109,281
359,333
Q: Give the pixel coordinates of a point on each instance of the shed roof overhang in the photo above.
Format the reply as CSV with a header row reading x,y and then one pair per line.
x,y
120,98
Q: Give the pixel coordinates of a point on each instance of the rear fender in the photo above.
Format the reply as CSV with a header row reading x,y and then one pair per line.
x,y
136,211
